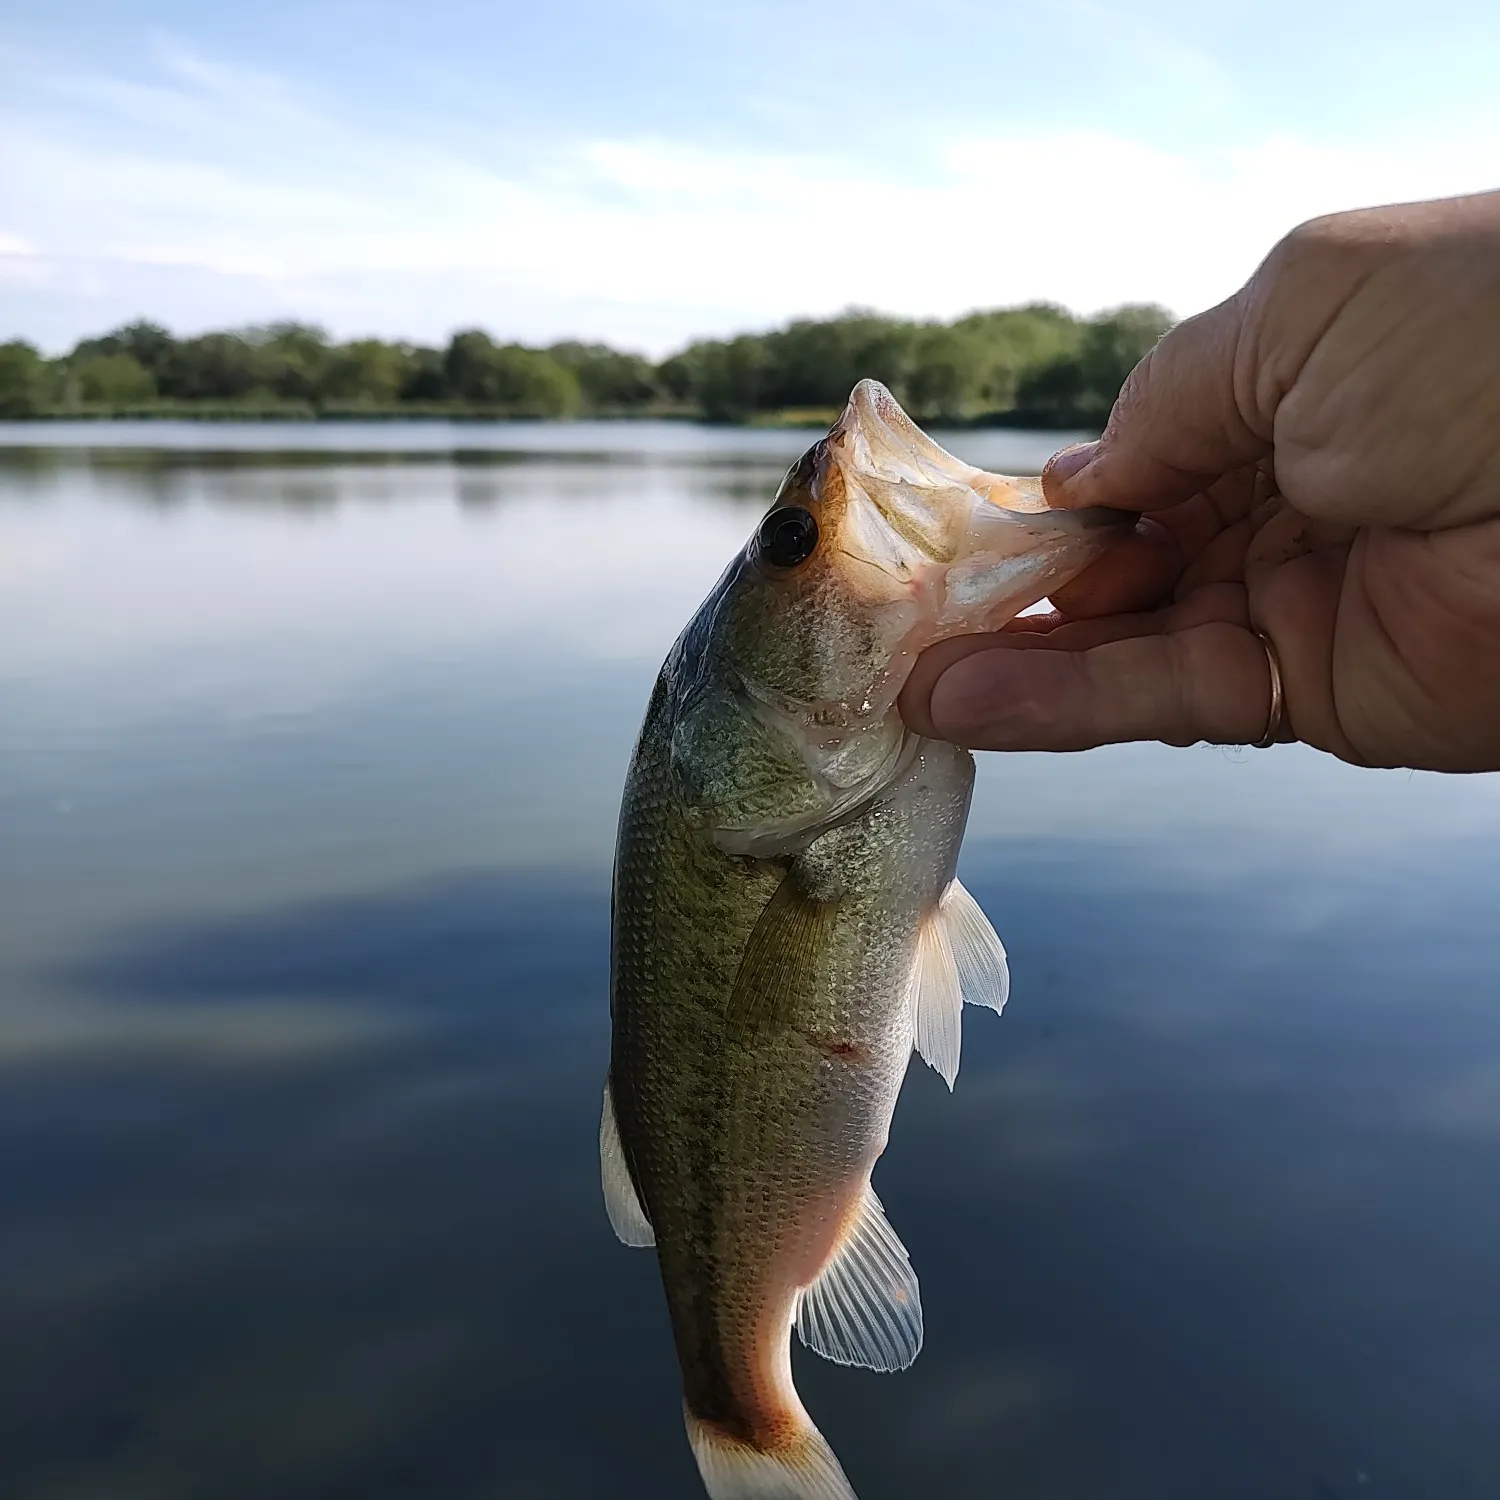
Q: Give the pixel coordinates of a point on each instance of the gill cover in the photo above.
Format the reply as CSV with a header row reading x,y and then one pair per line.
x,y
759,779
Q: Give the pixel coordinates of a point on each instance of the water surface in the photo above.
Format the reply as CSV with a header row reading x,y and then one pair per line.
x,y
310,744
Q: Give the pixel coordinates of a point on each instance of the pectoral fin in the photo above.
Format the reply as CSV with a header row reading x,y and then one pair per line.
x,y
783,947
983,973
865,1308
959,958
621,1201
937,1002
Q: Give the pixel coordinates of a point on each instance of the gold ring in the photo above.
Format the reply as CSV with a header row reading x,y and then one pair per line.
x,y
1277,711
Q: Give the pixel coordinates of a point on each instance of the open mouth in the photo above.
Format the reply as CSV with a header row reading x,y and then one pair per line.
x,y
916,516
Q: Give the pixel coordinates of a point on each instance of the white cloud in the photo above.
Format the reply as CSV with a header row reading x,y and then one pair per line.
x,y
216,195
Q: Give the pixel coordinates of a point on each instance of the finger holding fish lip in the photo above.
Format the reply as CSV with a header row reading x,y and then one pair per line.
x,y
1136,573
1209,682
1205,558
1190,671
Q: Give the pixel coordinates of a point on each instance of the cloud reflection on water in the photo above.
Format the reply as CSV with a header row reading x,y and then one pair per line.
x,y
386,1268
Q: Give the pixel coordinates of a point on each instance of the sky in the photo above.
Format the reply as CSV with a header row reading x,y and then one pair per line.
x,y
649,171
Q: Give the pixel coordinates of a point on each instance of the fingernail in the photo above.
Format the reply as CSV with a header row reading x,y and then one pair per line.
x,y
1064,466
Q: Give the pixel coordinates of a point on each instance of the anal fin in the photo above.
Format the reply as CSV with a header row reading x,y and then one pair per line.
x,y
621,1201
865,1308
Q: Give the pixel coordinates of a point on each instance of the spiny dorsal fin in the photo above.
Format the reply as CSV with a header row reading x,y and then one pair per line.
x,y
959,958
782,948
865,1308
627,1217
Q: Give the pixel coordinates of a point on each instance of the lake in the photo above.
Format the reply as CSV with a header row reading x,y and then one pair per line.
x,y
311,740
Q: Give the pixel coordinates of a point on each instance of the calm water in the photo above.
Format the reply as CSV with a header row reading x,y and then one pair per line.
x,y
308,768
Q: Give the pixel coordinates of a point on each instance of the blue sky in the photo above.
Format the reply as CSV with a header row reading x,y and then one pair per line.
x,y
649,170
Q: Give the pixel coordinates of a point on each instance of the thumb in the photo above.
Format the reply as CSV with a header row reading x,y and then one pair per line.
x,y
1177,425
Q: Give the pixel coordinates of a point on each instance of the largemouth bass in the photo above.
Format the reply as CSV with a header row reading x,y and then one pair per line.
x,y
787,925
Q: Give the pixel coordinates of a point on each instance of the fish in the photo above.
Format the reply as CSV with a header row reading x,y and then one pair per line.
x,y
787,926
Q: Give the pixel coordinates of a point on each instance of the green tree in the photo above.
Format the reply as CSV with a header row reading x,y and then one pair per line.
x,y
290,359
1057,388
110,380
148,344
609,380
1016,342
213,367
366,372
26,381
948,373
1115,342
1038,357
678,374
818,363
1081,385
471,367
426,377
522,382
729,379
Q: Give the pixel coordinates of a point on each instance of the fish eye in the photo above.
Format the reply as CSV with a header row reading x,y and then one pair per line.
x,y
787,536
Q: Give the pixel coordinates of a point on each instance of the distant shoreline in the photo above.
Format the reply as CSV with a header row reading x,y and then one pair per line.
x,y
800,419
1035,367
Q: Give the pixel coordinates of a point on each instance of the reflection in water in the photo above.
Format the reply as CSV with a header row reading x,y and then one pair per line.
x,y
159,443
304,826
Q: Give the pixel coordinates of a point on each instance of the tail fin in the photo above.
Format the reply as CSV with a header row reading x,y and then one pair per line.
x,y
802,1468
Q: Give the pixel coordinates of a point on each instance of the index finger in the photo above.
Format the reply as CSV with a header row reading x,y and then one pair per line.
x,y
1211,682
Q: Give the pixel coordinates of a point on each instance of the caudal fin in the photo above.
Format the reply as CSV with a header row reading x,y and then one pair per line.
x,y
803,1468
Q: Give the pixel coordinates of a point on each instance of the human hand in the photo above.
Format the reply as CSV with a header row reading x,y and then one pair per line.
x,y
1318,459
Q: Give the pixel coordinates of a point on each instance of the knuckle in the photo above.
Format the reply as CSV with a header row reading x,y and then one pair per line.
x,y
1314,241
1135,399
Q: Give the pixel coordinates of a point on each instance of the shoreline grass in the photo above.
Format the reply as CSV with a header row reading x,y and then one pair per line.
x,y
803,418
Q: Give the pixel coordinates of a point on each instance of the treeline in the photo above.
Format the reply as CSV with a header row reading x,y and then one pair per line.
x,y
1036,364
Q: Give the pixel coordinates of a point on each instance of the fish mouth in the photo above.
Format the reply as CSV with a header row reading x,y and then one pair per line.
x,y
977,547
